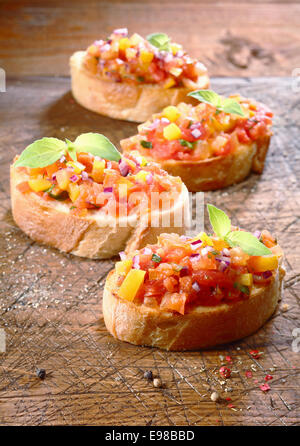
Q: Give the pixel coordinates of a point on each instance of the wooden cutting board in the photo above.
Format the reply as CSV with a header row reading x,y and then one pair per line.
x,y
50,304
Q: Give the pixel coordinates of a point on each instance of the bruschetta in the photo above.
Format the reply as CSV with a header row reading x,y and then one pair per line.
x,y
131,78
187,293
210,147
86,199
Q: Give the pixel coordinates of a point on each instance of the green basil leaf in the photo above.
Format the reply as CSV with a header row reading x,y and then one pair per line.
x,y
42,153
146,144
188,144
243,288
226,105
160,41
248,242
232,106
97,145
220,222
156,258
71,150
207,96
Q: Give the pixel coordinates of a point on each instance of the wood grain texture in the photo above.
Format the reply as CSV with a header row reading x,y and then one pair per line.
x,y
233,38
50,303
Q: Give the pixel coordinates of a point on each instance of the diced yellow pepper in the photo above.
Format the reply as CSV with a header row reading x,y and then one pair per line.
x,y
124,43
146,57
98,170
220,244
176,71
141,176
124,187
219,142
170,82
130,53
123,267
204,238
94,50
63,179
171,113
135,39
175,48
131,284
78,167
246,279
74,191
39,184
171,132
259,264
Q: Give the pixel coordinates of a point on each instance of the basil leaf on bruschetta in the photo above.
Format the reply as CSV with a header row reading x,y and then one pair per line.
x,y
227,105
221,225
47,151
41,153
160,41
97,145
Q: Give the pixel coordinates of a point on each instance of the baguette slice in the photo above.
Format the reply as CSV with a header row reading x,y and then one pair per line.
x,y
95,236
201,328
216,172
120,100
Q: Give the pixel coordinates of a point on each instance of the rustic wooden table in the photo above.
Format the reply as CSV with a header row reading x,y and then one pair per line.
x,y
50,303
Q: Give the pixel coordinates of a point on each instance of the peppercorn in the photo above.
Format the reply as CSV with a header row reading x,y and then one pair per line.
x,y
214,396
225,372
148,375
157,382
41,373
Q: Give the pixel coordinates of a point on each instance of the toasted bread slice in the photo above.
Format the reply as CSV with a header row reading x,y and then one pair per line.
x,y
216,172
202,327
94,236
120,100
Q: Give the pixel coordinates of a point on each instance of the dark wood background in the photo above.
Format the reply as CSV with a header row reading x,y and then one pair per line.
x,y
50,303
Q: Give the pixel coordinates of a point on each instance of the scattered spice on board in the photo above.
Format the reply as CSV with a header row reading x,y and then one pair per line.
x,y
157,382
225,372
215,396
256,354
148,375
268,377
265,387
41,373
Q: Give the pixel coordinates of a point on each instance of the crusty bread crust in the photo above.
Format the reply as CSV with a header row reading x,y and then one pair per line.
x,y
95,236
121,100
203,327
217,172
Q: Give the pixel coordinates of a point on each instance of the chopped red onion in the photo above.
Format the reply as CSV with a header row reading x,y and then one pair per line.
x,y
107,190
74,178
121,31
257,234
223,266
267,274
184,271
206,250
165,120
168,57
122,255
223,259
62,159
147,251
225,252
196,133
84,175
105,47
196,244
53,178
184,238
136,262
194,256
108,165
123,167
196,287
149,178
